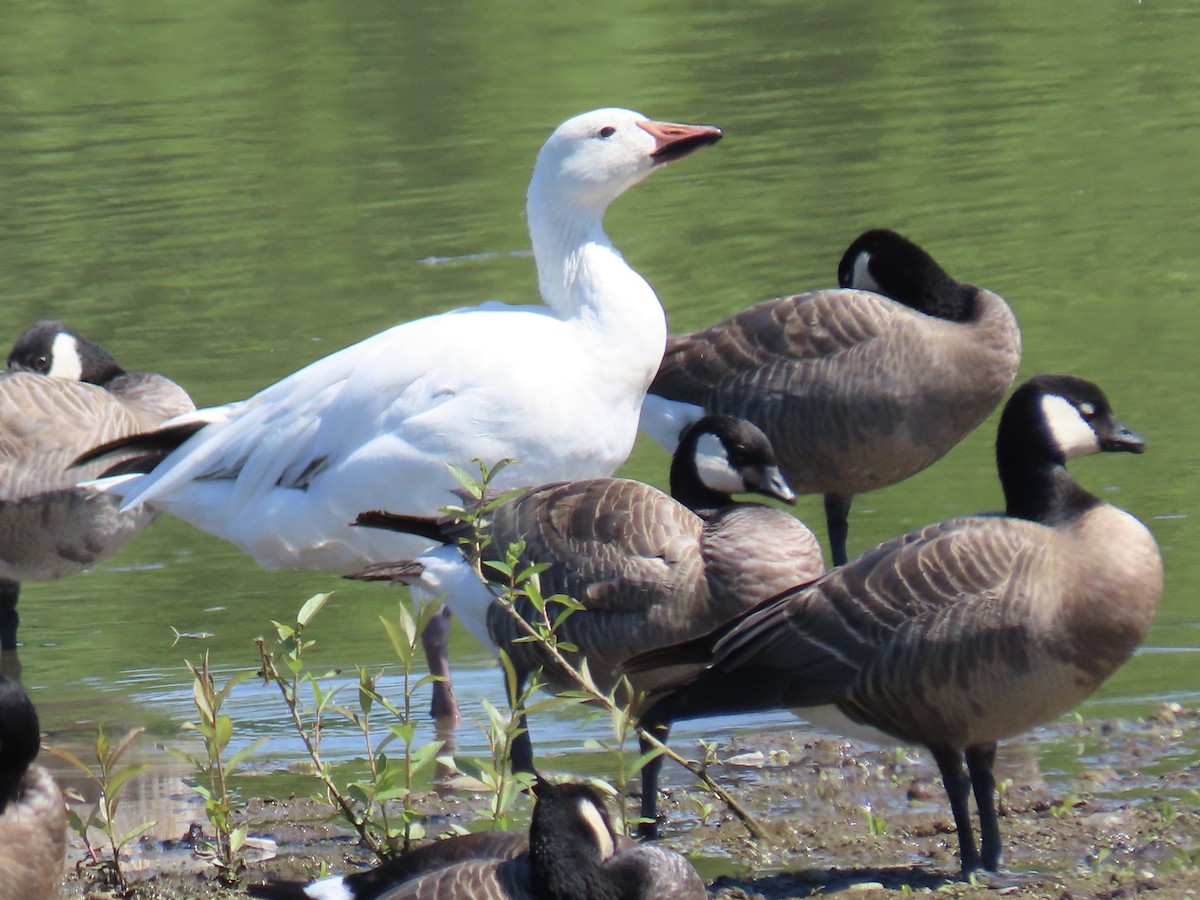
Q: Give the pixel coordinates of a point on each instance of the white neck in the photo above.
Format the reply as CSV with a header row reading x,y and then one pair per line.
x,y
584,279
578,267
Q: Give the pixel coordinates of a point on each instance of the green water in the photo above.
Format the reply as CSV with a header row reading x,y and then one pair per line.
x,y
225,191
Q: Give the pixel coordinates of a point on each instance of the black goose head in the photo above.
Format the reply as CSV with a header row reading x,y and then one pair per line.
x,y
51,348
1048,420
889,264
570,838
20,738
719,456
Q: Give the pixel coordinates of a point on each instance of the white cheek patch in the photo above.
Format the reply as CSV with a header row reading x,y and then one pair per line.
x,y
595,821
64,358
1068,429
863,279
712,465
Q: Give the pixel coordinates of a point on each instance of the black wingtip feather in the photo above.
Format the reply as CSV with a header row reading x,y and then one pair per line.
x,y
422,526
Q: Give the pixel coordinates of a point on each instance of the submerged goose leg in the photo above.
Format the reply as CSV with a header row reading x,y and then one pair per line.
x,y
837,512
9,592
648,828
435,638
980,763
958,789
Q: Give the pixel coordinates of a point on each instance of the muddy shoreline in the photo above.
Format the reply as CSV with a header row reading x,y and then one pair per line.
x,y
843,820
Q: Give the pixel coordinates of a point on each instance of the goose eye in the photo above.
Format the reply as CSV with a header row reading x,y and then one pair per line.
x,y
1088,409
607,131
43,363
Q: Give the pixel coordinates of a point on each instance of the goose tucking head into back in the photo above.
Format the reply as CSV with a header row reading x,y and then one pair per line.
x,y
858,387
61,395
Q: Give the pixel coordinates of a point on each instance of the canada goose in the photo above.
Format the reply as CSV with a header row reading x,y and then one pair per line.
x,y
572,852
33,818
959,634
858,387
49,527
556,387
647,569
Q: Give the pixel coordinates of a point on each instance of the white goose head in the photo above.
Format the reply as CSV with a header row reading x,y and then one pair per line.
x,y
591,159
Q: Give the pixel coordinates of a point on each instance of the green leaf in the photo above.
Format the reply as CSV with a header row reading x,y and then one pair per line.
x,y
400,637
74,760
245,753
118,778
135,831
311,607
224,731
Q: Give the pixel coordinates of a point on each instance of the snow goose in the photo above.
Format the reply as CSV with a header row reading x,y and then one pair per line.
x,y
556,387
858,387
33,818
959,634
50,527
649,570
571,852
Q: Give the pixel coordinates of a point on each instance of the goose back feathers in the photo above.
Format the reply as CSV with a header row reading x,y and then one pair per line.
x,y
858,387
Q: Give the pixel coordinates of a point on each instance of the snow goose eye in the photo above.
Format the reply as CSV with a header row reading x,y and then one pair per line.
x,y
607,131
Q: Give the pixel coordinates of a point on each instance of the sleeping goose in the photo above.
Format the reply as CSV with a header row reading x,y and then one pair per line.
x,y
649,570
572,852
49,527
557,387
858,387
962,633
33,819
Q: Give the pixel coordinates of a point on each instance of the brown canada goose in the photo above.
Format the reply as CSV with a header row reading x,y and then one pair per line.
x,y
572,852
33,818
50,527
858,387
959,634
648,570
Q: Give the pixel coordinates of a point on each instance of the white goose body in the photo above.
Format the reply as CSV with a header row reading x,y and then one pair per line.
x,y
557,388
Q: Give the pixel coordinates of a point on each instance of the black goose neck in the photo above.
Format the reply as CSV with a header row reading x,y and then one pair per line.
x,y
686,485
928,288
1034,477
99,366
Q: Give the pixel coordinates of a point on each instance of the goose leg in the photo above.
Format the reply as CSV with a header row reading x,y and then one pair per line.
x,y
443,707
648,828
9,592
837,513
520,753
958,789
980,763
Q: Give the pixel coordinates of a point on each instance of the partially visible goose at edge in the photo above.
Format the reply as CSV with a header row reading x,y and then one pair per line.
x,y
556,387
649,570
62,395
858,388
33,819
962,633
572,852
